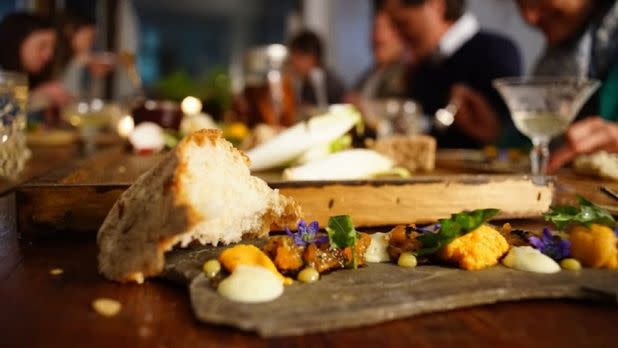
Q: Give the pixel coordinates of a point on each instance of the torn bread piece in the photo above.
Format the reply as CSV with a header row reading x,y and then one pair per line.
x,y
201,190
416,153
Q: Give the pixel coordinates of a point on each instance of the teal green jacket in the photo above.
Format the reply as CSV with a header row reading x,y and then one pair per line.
x,y
609,96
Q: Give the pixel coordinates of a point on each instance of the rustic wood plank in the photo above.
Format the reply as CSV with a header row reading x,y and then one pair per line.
x,y
423,200
76,208
111,166
44,160
64,211
77,197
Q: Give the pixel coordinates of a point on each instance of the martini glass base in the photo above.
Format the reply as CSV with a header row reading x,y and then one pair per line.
x,y
539,157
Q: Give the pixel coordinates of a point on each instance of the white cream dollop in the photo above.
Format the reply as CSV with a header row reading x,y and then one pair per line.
x,y
377,250
526,258
251,284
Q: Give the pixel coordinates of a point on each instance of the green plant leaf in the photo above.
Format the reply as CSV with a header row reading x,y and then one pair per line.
x,y
450,229
342,234
586,214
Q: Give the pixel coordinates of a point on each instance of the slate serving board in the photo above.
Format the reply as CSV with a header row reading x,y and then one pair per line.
x,y
377,293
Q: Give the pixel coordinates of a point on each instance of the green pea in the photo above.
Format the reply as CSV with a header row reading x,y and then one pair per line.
x,y
308,275
211,268
407,260
571,264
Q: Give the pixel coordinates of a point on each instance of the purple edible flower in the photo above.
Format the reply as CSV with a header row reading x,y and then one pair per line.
x,y
550,245
307,234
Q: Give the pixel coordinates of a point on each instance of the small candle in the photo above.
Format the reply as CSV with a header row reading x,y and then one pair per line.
x,y
125,126
191,106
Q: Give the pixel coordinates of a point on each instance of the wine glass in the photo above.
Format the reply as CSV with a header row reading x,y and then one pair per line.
x,y
542,108
90,117
393,116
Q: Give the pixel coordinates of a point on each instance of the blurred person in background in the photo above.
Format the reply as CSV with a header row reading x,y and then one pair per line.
x,y
455,63
28,44
386,78
76,35
581,41
314,83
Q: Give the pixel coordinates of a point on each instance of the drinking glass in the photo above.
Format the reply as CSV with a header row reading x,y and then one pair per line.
x,y
393,116
542,108
91,117
13,98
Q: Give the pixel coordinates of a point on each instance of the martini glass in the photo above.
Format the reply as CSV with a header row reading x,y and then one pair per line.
x,y
542,108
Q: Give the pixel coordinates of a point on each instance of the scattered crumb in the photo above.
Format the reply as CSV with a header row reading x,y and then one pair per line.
x,y
144,331
122,169
56,271
106,307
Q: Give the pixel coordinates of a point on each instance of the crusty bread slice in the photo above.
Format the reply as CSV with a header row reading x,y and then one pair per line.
x,y
413,152
201,190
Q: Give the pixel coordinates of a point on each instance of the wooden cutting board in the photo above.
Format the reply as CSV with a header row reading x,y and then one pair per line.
x,y
377,293
76,199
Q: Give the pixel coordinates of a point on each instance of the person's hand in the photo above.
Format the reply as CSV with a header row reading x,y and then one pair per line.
x,y
54,92
99,67
586,136
353,98
475,116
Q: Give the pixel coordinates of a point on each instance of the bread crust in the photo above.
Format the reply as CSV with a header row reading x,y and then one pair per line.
x,y
150,217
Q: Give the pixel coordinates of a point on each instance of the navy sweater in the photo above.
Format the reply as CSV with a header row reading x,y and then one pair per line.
x,y
481,59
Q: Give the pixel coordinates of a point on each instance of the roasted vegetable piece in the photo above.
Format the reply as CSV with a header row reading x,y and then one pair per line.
x,y
515,237
402,239
476,250
594,246
362,243
324,258
286,255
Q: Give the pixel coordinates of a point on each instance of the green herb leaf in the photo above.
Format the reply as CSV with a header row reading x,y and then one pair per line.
x,y
586,214
342,234
458,225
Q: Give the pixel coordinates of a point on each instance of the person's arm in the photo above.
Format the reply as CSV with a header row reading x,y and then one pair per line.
x,y
586,136
482,113
475,116
53,93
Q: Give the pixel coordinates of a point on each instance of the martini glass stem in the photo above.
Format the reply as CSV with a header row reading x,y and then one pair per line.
x,y
539,156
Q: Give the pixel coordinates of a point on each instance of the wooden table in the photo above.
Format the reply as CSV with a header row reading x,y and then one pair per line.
x,y
41,310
